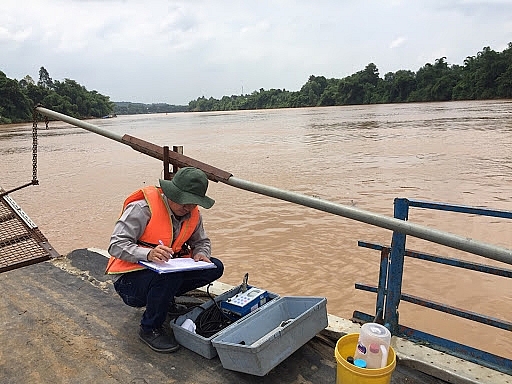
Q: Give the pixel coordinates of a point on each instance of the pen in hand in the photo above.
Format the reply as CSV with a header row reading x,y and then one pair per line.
x,y
163,254
171,254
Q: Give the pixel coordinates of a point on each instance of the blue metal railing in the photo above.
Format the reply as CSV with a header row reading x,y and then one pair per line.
x,y
389,289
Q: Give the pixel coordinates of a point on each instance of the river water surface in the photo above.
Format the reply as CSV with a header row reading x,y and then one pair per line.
x,y
362,156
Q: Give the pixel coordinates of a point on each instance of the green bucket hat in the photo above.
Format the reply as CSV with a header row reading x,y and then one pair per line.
x,y
188,186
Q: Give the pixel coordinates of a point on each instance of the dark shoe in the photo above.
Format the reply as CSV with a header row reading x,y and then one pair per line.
x,y
176,310
158,340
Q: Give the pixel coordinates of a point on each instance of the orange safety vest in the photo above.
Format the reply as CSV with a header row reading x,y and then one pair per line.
x,y
158,228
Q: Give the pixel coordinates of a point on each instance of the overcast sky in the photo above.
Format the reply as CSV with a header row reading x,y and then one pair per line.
x,y
176,51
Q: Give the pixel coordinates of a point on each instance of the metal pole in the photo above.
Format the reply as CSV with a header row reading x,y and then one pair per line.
x,y
80,123
450,240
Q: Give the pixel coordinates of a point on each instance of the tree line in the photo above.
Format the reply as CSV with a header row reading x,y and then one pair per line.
x,y
18,98
127,108
488,75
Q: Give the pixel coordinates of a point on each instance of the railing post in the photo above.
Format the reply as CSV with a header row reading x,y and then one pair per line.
x,y
167,175
177,149
396,268
381,289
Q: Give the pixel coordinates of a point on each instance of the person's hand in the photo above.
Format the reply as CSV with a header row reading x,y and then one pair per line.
x,y
201,257
160,253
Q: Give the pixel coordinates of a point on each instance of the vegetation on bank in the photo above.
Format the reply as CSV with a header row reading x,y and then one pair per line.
x,y
488,75
127,108
18,98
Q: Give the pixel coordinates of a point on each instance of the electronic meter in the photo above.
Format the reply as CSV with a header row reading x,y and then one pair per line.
x,y
245,302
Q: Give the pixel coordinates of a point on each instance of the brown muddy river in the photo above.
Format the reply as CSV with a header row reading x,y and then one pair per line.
x,y
362,156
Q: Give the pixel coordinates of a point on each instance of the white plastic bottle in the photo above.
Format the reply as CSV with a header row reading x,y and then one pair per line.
x,y
373,345
374,356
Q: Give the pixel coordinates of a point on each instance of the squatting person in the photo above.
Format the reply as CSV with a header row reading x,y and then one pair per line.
x,y
157,224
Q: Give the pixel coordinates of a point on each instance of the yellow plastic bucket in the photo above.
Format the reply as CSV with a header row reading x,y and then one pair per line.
x,y
347,373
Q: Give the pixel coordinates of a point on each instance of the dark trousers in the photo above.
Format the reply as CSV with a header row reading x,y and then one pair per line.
x,y
146,288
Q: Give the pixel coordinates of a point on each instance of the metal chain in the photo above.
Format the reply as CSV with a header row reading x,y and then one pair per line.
x,y
34,146
34,149
34,157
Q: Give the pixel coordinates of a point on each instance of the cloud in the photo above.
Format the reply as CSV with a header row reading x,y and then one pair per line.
x,y
397,42
14,35
478,8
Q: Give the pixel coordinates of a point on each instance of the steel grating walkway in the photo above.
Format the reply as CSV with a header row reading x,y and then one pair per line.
x,y
21,242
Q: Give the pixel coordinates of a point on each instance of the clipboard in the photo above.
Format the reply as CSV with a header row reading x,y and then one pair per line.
x,y
177,265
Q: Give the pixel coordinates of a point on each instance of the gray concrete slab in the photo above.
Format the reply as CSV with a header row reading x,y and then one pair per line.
x,y
62,322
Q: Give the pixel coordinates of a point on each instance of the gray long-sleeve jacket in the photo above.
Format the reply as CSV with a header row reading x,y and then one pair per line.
x,y
131,225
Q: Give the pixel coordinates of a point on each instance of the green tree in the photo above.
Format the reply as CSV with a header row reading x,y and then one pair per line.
x,y
370,75
399,86
351,91
26,81
329,95
504,80
313,89
45,81
14,104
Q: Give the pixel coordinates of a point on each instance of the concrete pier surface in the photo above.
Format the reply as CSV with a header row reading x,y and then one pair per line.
x,y
62,322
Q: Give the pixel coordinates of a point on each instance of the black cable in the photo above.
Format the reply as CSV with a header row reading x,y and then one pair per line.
x,y
212,320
